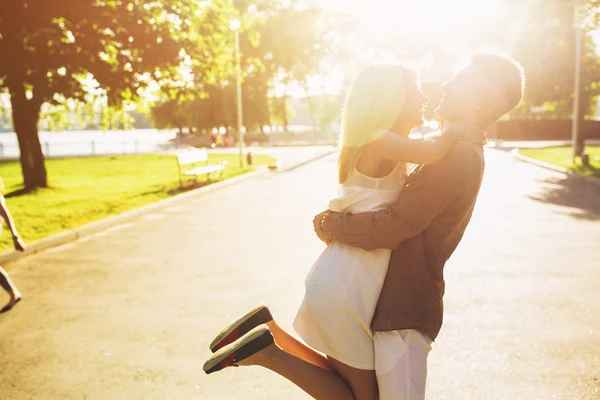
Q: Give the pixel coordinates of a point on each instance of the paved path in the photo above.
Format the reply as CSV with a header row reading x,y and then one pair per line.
x,y
128,313
532,144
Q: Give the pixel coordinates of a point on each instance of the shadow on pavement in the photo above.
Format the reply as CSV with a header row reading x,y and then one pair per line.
x,y
574,192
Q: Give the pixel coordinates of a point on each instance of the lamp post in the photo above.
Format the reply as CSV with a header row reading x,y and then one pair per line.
x,y
235,26
577,151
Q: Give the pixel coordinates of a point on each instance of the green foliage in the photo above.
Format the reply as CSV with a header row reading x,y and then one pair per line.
x,y
545,47
295,41
50,48
281,111
59,51
172,114
280,43
325,110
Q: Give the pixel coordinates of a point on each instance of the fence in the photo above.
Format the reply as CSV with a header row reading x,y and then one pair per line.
x,y
86,148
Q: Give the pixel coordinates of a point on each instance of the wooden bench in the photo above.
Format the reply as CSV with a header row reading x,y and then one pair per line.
x,y
193,163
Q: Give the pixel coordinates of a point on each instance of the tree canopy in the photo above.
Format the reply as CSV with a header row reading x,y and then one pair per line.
x,y
546,47
280,44
59,50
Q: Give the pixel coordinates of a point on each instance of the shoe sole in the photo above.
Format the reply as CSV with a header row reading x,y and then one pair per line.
x,y
251,343
10,306
257,316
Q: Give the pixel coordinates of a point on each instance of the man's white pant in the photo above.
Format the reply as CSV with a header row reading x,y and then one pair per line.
x,y
401,364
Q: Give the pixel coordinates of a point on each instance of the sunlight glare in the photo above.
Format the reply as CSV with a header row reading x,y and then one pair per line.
x,y
441,19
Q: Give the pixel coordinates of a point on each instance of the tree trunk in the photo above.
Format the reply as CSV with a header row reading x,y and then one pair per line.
x,y
584,107
311,113
284,108
26,114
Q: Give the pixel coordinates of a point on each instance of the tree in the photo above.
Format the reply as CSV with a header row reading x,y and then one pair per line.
x,y
297,41
50,51
546,49
280,43
325,109
172,114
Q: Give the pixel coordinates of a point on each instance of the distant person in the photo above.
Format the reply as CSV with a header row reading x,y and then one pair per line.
x,y
5,281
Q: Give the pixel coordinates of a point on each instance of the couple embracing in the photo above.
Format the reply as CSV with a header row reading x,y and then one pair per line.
x,y
373,301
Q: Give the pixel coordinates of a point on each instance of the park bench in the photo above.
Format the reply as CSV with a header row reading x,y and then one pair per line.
x,y
194,163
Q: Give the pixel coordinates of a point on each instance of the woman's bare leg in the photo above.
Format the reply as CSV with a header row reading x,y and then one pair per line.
x,y
362,382
7,284
341,383
293,346
318,382
319,376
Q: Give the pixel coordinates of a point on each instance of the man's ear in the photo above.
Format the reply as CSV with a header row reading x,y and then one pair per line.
x,y
483,104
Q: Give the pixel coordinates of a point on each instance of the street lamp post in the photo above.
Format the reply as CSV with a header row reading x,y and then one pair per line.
x,y
577,150
235,26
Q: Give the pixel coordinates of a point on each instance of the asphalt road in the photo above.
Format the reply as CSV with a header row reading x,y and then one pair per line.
x,y
128,313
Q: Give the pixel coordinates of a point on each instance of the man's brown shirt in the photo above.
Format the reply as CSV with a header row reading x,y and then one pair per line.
x,y
422,229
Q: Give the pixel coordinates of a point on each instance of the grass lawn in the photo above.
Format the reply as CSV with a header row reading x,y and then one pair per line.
x,y
87,189
563,157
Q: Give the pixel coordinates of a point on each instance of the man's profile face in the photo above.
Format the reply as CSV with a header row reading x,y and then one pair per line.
x,y
465,96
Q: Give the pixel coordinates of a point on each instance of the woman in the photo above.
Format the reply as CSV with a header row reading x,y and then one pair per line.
x,y
5,281
343,286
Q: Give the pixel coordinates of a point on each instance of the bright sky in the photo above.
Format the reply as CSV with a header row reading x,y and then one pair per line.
x,y
449,22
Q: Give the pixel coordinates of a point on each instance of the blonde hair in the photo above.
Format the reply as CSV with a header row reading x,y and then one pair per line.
x,y
373,104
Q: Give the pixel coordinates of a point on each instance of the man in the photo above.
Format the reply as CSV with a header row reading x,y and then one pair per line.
x,y
426,224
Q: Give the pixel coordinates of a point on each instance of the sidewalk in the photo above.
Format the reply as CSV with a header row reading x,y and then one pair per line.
x,y
534,144
128,313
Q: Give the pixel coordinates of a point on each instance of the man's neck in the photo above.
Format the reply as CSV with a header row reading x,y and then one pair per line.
x,y
470,131
464,124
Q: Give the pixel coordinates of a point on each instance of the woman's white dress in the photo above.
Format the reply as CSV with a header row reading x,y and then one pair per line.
x,y
343,286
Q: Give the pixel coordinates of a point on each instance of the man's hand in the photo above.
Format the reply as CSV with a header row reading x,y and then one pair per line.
x,y
317,225
19,243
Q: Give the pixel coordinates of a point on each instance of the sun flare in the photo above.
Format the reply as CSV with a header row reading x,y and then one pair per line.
x,y
443,20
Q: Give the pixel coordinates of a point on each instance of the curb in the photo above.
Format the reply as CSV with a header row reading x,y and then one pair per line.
x,y
103,224
555,168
